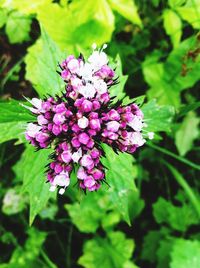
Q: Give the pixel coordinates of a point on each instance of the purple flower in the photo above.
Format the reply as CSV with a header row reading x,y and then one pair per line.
x,y
95,124
56,130
83,138
66,156
86,106
76,122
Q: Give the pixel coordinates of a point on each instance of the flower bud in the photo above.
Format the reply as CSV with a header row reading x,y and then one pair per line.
x,y
113,126
95,124
56,130
73,65
75,143
83,138
66,156
86,106
83,122
81,174
113,115
42,137
86,161
89,182
41,120
59,119
60,108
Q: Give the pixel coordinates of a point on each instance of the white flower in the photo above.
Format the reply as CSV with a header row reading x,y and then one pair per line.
x,y
88,91
136,123
73,65
62,179
37,103
98,59
136,138
83,122
32,130
86,71
61,191
76,82
113,126
77,155
99,85
94,46
86,160
150,135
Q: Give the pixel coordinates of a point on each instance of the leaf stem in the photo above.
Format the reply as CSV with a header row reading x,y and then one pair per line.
x,y
183,183
47,260
177,157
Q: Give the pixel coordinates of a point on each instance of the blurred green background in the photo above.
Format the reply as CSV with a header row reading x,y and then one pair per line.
x,y
149,216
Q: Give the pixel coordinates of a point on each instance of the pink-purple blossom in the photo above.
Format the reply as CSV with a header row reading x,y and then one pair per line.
x,y
77,122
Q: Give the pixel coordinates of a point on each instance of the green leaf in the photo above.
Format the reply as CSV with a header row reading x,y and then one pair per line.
x,y
176,3
7,237
24,6
13,120
173,67
88,214
166,79
191,13
150,245
187,108
120,176
111,252
56,26
128,9
185,253
155,3
41,65
163,252
31,169
158,118
27,255
95,20
112,218
18,27
187,133
178,218
97,209
173,26
49,212
154,75
3,17
118,89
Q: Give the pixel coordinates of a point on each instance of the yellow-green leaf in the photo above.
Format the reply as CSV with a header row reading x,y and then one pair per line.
x,y
128,9
173,26
191,13
187,133
41,64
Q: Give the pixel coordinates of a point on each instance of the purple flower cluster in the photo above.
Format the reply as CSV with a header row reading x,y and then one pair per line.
x,y
76,123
